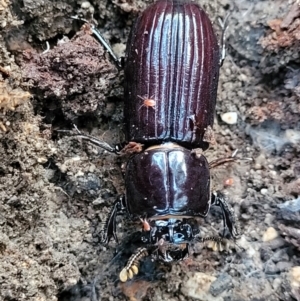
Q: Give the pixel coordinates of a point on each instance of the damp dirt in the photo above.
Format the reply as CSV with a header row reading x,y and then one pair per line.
x,y
56,191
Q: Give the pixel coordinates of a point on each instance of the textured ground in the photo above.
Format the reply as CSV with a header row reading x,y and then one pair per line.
x,y
55,191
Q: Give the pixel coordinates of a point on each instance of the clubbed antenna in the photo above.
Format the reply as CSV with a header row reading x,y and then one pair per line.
x,y
132,266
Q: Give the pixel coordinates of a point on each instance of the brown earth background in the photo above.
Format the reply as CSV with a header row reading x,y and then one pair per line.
x,y
56,191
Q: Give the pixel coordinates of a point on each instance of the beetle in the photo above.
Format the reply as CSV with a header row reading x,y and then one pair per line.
x,y
172,63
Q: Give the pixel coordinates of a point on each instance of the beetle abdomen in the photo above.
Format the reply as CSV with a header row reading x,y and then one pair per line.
x,y
167,180
171,75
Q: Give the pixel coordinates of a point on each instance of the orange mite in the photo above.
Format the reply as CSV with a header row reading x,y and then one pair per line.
x,y
228,182
146,226
148,102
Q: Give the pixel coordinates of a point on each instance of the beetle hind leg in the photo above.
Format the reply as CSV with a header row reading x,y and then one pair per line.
x,y
229,217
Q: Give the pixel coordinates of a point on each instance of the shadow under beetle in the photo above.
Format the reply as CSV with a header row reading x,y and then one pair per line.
x,y
171,73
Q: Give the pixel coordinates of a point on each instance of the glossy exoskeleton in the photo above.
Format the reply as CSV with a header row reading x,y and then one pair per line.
x,y
171,75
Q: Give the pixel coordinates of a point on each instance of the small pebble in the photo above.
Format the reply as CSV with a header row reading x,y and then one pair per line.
x,y
265,253
269,218
270,234
280,255
264,191
197,284
283,266
42,160
86,4
294,277
276,243
229,117
223,283
270,268
276,283
293,136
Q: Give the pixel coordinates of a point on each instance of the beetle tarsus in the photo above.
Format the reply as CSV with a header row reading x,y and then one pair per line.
x,y
229,217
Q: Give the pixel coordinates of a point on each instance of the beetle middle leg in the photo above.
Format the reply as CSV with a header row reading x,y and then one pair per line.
x,y
229,217
109,230
93,140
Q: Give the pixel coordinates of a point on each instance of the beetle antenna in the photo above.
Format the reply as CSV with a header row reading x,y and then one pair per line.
x,y
132,266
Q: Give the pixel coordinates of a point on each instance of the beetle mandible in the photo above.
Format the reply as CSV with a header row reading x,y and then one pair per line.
x,y
173,56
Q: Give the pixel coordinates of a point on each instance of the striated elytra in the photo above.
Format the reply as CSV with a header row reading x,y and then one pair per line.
x,y
173,58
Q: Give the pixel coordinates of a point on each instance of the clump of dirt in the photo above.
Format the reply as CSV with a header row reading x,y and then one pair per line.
x,y
74,77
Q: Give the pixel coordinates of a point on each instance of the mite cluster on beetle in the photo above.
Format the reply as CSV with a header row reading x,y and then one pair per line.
x,y
172,64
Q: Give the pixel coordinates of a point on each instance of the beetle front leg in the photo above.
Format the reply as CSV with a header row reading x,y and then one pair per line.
x,y
224,26
118,61
109,230
229,217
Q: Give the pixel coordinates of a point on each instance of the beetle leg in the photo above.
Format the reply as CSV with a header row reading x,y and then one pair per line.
x,y
224,27
229,218
109,230
118,61
222,161
93,140
230,159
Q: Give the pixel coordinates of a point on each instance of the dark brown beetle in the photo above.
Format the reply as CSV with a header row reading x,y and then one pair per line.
x,y
171,75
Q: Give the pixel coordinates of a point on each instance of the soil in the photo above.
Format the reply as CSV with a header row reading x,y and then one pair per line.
x,y
56,191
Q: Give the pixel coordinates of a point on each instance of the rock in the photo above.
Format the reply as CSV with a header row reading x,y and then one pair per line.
x,y
265,253
275,243
270,234
221,284
291,235
294,278
229,117
270,268
284,266
197,285
290,210
280,255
